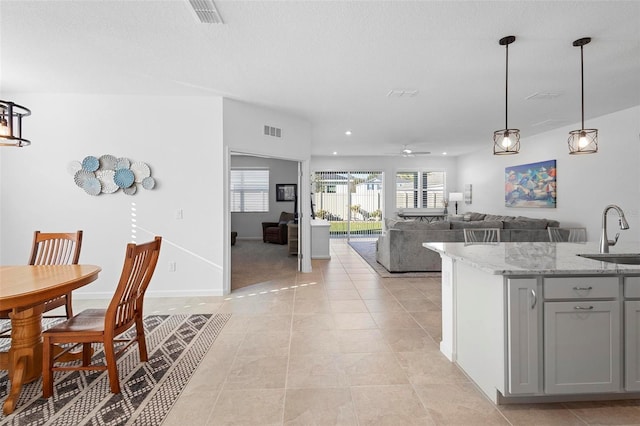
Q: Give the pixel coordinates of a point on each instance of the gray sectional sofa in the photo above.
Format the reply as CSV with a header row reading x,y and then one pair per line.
x,y
400,248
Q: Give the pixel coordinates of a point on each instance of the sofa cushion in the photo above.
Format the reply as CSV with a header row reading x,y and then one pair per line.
x,y
417,225
477,224
475,216
389,222
456,218
498,217
520,223
552,223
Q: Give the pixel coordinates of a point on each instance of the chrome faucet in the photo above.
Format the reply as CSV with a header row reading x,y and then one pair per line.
x,y
605,242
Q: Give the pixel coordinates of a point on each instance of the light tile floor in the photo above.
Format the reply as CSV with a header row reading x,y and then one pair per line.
x,y
343,346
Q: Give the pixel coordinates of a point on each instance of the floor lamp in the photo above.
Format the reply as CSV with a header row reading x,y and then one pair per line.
x,y
454,197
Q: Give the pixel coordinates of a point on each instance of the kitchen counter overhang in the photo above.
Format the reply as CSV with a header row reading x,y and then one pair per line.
x,y
536,258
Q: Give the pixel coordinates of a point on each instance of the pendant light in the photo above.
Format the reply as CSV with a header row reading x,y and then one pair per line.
x,y
583,141
11,124
506,141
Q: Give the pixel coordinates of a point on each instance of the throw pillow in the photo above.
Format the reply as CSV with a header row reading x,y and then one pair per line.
x,y
498,217
476,216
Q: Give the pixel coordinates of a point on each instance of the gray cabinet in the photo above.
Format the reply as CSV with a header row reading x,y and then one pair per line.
x,y
632,333
565,335
632,348
524,308
582,344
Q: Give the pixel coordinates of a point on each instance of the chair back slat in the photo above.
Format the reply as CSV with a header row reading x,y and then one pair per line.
x,y
140,263
481,235
567,235
56,248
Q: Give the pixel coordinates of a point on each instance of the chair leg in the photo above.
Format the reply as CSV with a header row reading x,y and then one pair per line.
x,y
86,354
47,364
112,368
142,342
68,305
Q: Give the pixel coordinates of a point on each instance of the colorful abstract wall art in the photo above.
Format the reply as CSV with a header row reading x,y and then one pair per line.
x,y
531,185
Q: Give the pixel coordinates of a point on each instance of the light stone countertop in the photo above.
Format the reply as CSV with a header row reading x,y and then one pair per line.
x,y
529,258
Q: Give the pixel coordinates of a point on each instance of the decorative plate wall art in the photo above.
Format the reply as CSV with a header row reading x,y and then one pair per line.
x,y
107,174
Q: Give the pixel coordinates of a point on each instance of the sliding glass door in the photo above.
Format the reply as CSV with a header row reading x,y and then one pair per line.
x,y
351,201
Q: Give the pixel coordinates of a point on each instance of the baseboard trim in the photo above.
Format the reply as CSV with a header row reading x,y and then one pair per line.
x,y
149,293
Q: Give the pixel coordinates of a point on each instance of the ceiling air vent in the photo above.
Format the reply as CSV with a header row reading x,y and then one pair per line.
x,y
551,122
272,131
402,93
542,96
206,11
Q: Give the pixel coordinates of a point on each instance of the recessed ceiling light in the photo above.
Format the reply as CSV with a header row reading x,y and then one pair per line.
x,y
335,152
348,133
444,153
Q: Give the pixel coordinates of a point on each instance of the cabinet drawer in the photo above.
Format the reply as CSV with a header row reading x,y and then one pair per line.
x,y
581,288
632,287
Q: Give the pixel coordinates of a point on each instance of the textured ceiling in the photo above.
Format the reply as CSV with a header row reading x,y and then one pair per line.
x,y
333,63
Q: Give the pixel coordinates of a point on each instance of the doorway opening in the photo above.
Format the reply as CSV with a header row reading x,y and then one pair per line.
x,y
351,201
254,200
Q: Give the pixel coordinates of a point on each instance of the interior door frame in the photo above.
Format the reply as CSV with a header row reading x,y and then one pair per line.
x,y
304,209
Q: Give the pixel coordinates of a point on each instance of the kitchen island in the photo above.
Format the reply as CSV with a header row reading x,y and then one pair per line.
x,y
534,322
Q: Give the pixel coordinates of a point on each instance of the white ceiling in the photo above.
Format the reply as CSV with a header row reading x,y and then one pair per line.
x,y
334,62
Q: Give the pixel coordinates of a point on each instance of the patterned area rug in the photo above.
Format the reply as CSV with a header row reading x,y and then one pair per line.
x,y
367,250
176,344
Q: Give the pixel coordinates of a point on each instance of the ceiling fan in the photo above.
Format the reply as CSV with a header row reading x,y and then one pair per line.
x,y
408,152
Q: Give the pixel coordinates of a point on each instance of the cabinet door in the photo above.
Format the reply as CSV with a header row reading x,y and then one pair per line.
x,y
632,345
523,336
582,346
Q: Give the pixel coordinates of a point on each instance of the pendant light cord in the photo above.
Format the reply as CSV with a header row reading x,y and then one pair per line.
x,y
582,82
506,88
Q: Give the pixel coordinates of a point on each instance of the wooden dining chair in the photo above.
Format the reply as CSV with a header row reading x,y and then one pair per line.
x,y
481,235
567,235
105,325
56,249
48,248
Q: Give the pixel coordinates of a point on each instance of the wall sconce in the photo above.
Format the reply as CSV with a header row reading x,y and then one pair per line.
x,y
11,124
455,197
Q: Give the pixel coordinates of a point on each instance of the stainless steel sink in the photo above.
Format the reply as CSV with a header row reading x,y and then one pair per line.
x,y
622,258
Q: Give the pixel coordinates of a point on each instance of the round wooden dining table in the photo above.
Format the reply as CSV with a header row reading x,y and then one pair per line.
x,y
23,291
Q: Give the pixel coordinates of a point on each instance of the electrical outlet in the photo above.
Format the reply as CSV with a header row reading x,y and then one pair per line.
x,y
172,266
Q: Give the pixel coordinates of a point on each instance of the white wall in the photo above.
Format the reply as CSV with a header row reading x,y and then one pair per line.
x,y
389,166
244,125
243,133
586,183
249,225
180,138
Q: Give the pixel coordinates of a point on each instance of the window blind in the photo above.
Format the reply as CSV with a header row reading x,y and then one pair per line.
x,y
249,190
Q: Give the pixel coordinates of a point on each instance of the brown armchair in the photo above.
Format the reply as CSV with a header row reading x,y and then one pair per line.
x,y
276,232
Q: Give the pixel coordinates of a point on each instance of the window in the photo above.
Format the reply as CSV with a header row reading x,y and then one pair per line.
x,y
420,189
249,190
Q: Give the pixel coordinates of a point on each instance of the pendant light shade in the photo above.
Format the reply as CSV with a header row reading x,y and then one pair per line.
x,y
506,141
583,141
11,124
